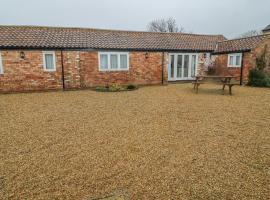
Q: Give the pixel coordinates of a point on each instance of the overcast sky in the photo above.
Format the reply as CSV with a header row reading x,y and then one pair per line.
x,y
228,17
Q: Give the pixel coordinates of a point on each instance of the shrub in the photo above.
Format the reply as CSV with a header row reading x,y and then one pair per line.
x,y
131,87
102,89
115,88
258,78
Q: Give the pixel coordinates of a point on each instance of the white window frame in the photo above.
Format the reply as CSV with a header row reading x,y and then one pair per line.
x,y
109,61
189,77
1,64
44,61
234,55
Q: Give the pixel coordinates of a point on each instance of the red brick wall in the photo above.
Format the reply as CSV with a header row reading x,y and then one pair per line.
x,y
142,70
81,70
248,64
258,51
28,74
221,66
72,69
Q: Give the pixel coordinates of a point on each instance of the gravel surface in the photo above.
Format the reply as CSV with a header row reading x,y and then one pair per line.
x,y
160,142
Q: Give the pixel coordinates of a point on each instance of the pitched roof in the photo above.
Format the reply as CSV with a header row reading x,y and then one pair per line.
x,y
83,38
267,28
239,45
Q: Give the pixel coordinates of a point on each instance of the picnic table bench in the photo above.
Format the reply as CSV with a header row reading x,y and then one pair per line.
x,y
224,80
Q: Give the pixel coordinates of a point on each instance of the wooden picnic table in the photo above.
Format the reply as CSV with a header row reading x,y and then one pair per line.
x,y
225,81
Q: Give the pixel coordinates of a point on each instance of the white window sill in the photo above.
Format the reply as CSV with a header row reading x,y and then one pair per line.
x,y
46,70
113,70
234,66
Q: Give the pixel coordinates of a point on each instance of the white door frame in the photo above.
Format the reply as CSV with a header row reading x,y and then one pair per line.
x,y
175,78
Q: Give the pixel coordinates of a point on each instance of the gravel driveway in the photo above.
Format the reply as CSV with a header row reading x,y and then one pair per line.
x,y
160,142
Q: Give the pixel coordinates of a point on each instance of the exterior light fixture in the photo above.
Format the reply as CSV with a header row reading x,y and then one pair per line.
x,y
146,55
204,55
22,55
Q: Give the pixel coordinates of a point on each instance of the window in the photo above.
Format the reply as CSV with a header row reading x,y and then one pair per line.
x,y
1,65
104,62
237,62
49,61
179,66
186,65
231,61
234,60
113,61
193,65
123,61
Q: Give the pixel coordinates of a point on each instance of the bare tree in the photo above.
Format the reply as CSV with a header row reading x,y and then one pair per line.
x,y
158,25
165,25
250,34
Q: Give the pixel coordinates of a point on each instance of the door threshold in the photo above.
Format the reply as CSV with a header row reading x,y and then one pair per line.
x,y
180,81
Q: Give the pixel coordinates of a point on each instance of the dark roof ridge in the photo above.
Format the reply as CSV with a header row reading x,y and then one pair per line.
x,y
109,30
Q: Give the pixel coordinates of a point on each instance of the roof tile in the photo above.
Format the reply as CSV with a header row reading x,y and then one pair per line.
x,y
81,38
239,45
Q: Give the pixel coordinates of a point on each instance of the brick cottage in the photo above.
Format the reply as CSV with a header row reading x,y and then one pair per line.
x,y
50,58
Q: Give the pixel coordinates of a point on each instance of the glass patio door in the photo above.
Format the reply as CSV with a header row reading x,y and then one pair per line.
x,y
182,66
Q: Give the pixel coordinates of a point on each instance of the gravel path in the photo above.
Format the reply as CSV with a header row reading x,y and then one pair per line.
x,y
153,143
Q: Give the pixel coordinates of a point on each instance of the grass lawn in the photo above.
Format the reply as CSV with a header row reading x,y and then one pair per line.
x,y
153,143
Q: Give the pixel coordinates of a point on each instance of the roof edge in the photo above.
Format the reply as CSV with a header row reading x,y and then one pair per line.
x,y
267,28
101,29
262,35
228,52
102,49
